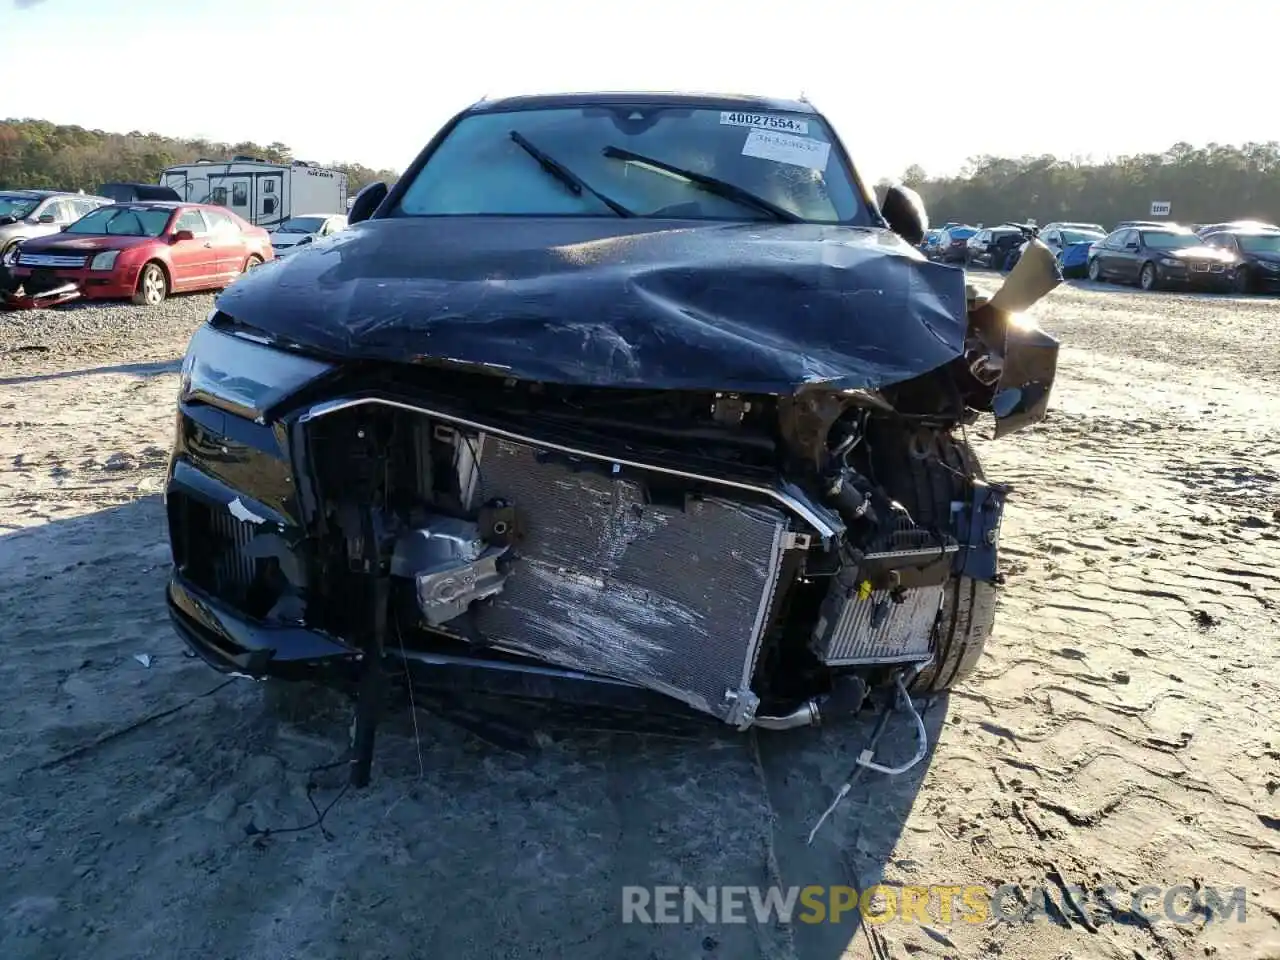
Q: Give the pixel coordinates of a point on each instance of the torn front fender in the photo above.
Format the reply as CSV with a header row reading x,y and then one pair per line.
x,y
1022,394
1010,361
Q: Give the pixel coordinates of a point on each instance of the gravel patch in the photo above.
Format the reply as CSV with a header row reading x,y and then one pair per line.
x,y
99,332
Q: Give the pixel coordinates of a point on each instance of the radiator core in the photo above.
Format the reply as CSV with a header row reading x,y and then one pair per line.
x,y
608,582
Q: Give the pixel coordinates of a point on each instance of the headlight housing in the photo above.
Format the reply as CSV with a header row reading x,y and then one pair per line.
x,y
104,261
242,376
1171,262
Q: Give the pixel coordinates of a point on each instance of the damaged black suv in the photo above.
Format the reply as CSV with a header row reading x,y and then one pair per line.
x,y
628,399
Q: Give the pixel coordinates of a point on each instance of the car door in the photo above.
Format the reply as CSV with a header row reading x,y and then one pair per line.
x,y
1105,255
228,245
1131,254
978,246
193,261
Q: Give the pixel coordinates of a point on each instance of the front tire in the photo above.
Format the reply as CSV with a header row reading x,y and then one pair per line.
x,y
1149,278
1242,282
1095,271
927,488
153,286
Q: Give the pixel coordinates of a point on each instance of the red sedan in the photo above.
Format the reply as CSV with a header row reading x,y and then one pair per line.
x,y
143,251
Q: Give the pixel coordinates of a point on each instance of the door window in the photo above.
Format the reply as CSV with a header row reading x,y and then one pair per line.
x,y
218,196
221,225
269,203
193,221
240,194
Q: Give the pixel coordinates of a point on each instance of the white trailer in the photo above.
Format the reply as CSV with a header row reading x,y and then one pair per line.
x,y
261,192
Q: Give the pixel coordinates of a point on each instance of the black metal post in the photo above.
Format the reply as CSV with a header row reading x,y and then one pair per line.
x,y
371,696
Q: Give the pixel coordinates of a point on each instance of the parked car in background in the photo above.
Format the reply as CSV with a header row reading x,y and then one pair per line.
x,y
1257,254
1154,224
1071,246
1209,228
1073,259
953,244
131,192
991,246
305,229
1058,236
929,245
143,251
1155,257
26,214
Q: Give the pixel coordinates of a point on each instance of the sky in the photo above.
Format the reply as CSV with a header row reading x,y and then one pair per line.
x,y
930,83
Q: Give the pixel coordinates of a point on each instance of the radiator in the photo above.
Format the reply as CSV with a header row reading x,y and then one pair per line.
x,y
670,598
852,630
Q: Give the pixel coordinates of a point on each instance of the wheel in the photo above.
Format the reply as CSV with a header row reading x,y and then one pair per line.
x,y
1095,270
153,286
1148,279
927,488
1242,281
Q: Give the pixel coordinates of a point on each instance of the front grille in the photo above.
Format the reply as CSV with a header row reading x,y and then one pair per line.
x,y
607,581
60,261
209,548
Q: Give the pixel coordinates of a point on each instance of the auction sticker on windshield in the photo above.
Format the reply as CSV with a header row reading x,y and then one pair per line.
x,y
784,148
766,121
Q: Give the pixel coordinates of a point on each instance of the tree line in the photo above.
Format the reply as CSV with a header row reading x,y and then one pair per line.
x,y
39,155
1203,184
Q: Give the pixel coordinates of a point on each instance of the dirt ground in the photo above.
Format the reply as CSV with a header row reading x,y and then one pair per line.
x,y
1124,728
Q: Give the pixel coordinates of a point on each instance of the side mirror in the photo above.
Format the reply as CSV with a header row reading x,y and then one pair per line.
x,y
904,211
307,239
181,235
367,201
47,218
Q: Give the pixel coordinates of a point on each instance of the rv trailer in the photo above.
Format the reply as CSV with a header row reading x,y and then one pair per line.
x,y
261,192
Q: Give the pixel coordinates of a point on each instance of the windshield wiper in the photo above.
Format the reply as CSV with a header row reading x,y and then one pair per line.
x,y
566,176
721,188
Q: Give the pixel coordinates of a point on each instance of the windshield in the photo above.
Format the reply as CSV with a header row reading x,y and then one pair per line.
x,y
1081,236
17,207
123,222
1267,243
301,225
784,159
1171,241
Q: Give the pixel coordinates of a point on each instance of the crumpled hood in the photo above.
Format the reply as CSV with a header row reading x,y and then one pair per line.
x,y
751,307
